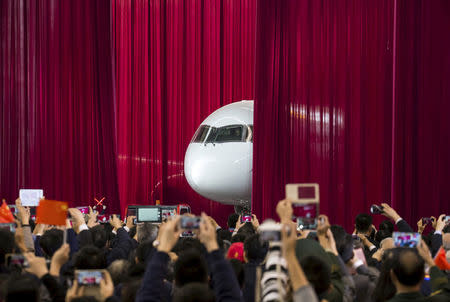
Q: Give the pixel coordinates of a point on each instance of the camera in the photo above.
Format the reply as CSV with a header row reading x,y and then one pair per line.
x,y
189,223
270,231
376,209
427,220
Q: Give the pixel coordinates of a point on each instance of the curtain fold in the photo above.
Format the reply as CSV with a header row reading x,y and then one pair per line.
x,y
57,101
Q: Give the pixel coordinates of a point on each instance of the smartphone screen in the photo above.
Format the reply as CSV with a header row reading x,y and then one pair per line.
x,y
270,235
406,239
148,214
359,253
16,260
189,223
303,193
131,211
447,219
89,277
30,198
83,210
167,212
9,226
306,216
246,218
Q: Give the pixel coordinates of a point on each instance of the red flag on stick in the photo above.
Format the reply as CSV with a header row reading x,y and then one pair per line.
x,y
5,214
52,212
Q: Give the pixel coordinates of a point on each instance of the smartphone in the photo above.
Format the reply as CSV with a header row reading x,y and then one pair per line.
x,y
306,216
148,214
168,211
131,211
183,209
269,231
447,219
9,226
246,218
16,260
89,277
359,253
190,223
303,193
30,198
83,210
406,239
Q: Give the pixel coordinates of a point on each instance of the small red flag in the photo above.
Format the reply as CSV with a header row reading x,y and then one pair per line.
x,y
52,212
5,214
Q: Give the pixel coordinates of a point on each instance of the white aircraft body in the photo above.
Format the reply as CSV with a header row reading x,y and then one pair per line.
x,y
218,161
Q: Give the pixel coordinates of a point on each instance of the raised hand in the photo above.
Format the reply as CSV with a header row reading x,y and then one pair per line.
x,y
284,210
207,234
168,235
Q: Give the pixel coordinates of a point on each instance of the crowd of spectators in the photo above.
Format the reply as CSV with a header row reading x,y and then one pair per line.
x,y
161,262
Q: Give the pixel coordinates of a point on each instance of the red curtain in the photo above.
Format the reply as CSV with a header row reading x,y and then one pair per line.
x,y
176,62
422,103
56,100
328,100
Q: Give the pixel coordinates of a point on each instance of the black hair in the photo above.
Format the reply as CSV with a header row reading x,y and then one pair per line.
x,y
247,228
238,269
232,220
132,231
194,292
21,288
89,257
238,238
381,235
187,243
130,289
190,267
385,289
363,222
7,244
221,236
51,241
409,267
144,251
99,237
386,225
317,272
253,248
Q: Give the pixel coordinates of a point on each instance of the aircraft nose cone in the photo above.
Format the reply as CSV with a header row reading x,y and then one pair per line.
x,y
219,172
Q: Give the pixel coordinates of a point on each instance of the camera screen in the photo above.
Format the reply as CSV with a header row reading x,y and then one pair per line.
x,y
89,277
406,239
149,214
274,235
83,210
246,218
131,211
189,223
306,216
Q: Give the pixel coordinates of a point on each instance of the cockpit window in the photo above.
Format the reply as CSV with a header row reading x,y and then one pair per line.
x,y
231,133
201,134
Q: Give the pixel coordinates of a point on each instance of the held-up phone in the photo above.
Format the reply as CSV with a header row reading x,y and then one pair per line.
x,y
148,214
269,231
303,193
183,209
89,277
406,239
306,216
246,217
447,219
105,218
8,226
30,198
190,223
83,210
131,211
359,253
168,211
17,260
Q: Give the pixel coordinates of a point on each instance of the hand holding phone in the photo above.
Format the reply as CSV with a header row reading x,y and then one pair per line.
x,y
246,218
89,277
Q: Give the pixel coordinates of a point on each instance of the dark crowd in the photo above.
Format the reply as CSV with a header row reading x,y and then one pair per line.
x,y
242,261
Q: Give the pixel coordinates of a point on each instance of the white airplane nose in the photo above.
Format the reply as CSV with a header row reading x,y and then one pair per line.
x,y
220,172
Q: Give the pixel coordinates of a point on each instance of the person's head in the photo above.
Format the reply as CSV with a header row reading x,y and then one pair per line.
x,y
130,289
238,269
190,267
381,235
146,231
89,257
318,273
386,225
223,238
194,292
118,270
144,251
363,223
408,269
188,243
247,229
6,244
385,289
51,241
238,238
253,249
21,288
99,236
232,220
